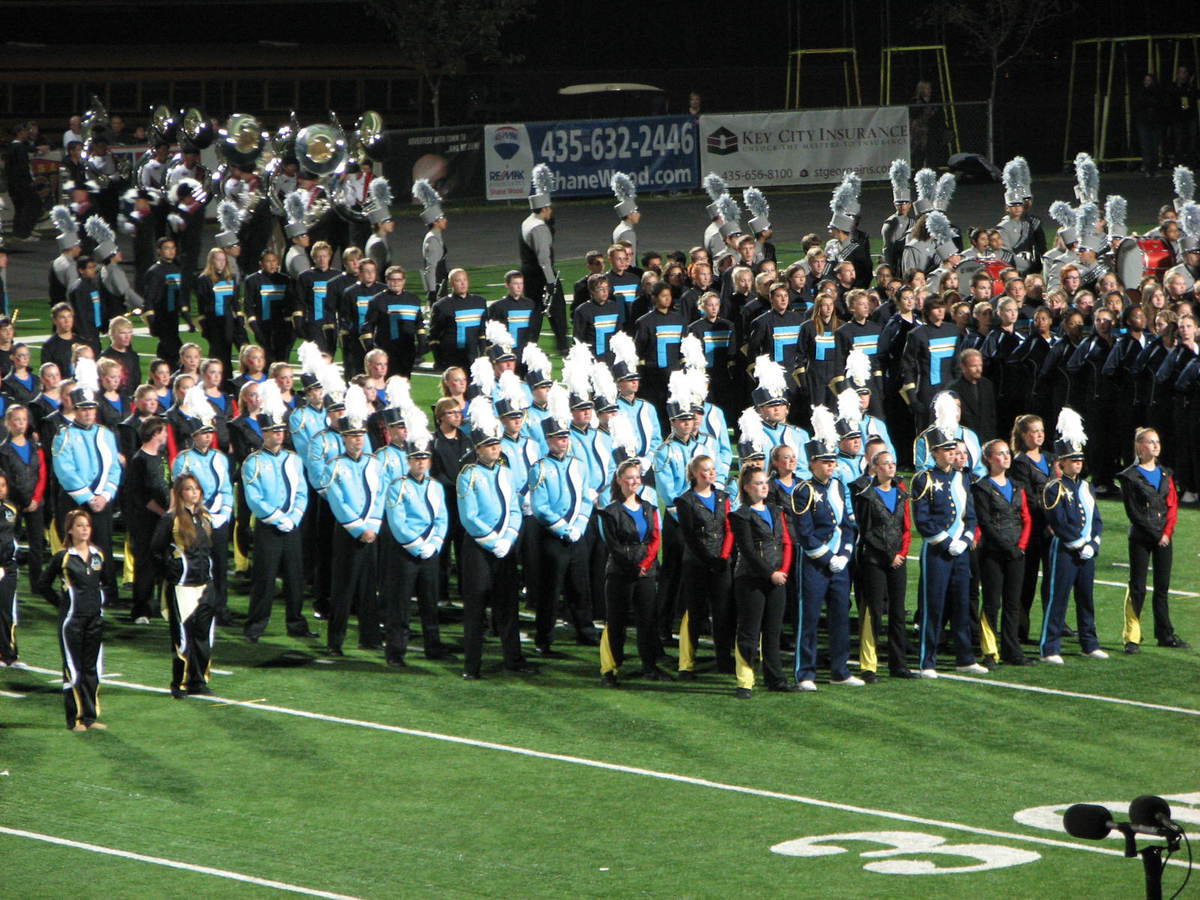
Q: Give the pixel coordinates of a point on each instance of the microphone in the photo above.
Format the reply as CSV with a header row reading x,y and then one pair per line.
x,y
1088,821
1093,823
1153,812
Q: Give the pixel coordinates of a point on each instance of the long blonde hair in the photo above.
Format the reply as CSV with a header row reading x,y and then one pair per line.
x,y
210,266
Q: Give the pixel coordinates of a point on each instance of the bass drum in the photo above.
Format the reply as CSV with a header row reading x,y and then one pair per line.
x,y
1156,258
994,267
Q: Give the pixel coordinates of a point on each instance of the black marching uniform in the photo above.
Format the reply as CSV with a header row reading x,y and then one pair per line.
x,y
629,581
189,599
74,583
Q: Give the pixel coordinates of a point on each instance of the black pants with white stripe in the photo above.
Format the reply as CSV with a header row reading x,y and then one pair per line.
x,y
8,615
191,641
80,638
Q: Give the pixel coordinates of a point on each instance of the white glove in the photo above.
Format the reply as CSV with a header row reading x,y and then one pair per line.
x,y
285,526
500,550
574,534
957,547
837,564
591,494
1087,552
176,222
428,550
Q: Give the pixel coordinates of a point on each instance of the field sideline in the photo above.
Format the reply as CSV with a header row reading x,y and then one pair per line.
x,y
345,778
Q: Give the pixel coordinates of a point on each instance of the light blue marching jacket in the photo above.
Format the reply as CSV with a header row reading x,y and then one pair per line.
x,y
86,463
558,494
323,449
670,466
355,491
583,445
714,425
275,488
796,438
393,462
521,454
212,471
489,504
645,426
416,514
304,422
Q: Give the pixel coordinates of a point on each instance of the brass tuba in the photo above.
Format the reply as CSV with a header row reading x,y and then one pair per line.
x,y
242,141
367,139
163,124
321,149
94,124
195,129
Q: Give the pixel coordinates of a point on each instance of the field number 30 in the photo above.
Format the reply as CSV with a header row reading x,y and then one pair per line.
x,y
908,843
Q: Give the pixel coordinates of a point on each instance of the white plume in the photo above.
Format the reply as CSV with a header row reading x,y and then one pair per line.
x,y
926,181
495,332
399,392
824,427
195,405
1061,212
535,359
88,378
63,221
603,383
750,428
577,370
271,399
99,230
1115,211
228,216
424,193
847,406
543,179
756,201
691,348
729,209
858,367
944,192
623,187
1070,427
622,433
558,402
1189,219
357,408
513,390
311,359
483,376
418,432
770,375
483,418
697,385
899,174
679,389
946,413
624,350
381,193
331,379
938,227
714,186
1185,183
1087,179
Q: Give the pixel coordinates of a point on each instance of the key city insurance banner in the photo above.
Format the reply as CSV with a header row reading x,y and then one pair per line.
x,y
804,146
659,153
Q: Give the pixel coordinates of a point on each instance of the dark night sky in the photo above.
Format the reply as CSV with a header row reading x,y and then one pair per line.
x,y
671,36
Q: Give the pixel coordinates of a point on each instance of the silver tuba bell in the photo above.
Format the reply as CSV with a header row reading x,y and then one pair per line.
x,y
195,129
321,149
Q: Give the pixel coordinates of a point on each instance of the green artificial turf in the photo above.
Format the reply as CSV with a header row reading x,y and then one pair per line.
x,y
352,809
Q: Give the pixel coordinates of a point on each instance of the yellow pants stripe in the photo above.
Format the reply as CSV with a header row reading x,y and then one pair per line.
x,y
607,662
127,571
687,650
56,543
868,661
1132,632
742,670
987,636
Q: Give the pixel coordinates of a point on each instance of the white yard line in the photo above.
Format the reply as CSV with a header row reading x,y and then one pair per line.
x,y
1116,584
1100,698
645,773
172,863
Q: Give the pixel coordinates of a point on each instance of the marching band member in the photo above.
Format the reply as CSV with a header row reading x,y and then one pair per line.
x,y
433,247
490,510
945,517
630,529
1004,526
1073,518
1152,505
182,542
825,534
352,485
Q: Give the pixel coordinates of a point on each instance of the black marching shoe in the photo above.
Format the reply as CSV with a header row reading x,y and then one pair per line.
x,y
523,668
989,662
609,680
202,690
588,639
656,674
1175,641
784,687
472,676
178,693
687,675
868,677
1132,647
903,673
743,693
396,662
304,633
333,651
545,651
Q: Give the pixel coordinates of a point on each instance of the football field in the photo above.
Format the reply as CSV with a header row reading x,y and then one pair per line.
x,y
342,777
348,778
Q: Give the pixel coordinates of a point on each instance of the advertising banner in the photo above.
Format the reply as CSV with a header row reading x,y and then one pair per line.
x,y
449,158
659,153
804,146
